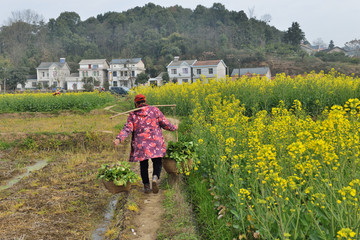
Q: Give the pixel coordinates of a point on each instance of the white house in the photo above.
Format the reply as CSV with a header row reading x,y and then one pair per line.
x,y
189,70
261,71
31,83
95,68
53,74
123,72
180,70
74,82
157,81
209,69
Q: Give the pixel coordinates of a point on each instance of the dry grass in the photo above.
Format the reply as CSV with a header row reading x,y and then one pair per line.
x,y
63,200
33,123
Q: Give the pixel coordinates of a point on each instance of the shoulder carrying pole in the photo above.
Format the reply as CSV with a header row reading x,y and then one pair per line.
x,y
173,105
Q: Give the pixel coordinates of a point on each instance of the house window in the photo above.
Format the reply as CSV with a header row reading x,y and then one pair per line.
x,y
115,73
124,65
211,71
115,83
47,74
125,74
95,66
121,73
173,71
133,73
34,84
198,71
43,74
185,70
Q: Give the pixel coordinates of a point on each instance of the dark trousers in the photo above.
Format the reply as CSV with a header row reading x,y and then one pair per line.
x,y
144,169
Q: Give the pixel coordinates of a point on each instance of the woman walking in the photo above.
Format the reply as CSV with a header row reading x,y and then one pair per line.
x,y
147,140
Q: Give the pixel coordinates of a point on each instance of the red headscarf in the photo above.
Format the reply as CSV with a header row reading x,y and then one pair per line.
x,y
139,98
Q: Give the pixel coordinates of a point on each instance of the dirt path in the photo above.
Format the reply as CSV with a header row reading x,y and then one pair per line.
x,y
146,222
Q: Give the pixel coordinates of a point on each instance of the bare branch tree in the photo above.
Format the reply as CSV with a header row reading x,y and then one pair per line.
x,y
251,12
27,16
319,42
266,18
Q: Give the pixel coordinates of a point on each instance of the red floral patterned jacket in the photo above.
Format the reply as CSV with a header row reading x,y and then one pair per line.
x,y
147,138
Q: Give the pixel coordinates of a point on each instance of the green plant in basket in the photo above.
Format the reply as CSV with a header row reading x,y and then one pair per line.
x,y
120,173
183,153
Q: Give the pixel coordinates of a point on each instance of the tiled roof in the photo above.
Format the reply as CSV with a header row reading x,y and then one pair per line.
x,y
125,61
47,65
179,62
243,71
92,61
207,63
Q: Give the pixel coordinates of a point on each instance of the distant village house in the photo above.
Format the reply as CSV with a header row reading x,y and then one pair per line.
x,y
52,74
183,71
261,71
123,72
94,68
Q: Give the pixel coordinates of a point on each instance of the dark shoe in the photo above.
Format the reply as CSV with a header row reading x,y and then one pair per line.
x,y
155,184
147,188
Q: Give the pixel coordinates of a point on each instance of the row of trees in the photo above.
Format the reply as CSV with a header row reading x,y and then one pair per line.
x,y
152,32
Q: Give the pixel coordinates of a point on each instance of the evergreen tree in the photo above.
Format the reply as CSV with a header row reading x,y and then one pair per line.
x,y
294,34
141,78
331,44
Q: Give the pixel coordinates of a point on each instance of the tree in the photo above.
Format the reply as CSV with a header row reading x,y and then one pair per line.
x,y
294,34
89,83
331,44
15,77
141,78
319,43
27,16
67,22
266,18
251,12
106,85
353,47
165,78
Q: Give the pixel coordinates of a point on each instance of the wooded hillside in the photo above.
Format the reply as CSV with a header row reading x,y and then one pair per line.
x,y
154,33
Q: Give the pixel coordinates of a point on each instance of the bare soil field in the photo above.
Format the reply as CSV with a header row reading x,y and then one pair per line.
x,y
63,199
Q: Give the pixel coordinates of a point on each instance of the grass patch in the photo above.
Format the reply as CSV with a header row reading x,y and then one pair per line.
x,y
123,104
209,224
178,220
6,145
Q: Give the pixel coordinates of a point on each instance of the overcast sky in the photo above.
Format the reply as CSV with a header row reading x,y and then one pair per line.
x,y
335,20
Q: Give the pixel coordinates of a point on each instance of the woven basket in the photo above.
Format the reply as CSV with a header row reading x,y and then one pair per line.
x,y
169,165
110,185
